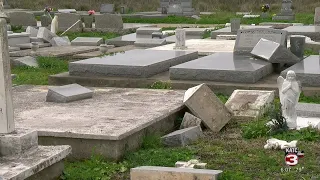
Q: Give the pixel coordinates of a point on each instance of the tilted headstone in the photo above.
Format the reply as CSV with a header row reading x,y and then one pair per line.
x,y
45,34
6,104
248,38
235,24
274,52
190,120
26,61
108,21
107,8
317,16
18,18
66,20
297,44
60,41
32,31
203,103
68,93
182,137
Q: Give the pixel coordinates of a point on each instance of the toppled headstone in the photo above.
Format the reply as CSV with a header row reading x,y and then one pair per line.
x,y
204,104
26,61
196,17
32,31
190,120
108,21
250,103
274,143
193,163
182,137
68,93
87,41
60,41
150,42
156,173
20,18
45,34
273,52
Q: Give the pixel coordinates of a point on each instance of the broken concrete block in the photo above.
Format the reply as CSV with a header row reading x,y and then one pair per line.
x,y
250,103
190,120
32,31
26,61
182,137
166,173
273,52
68,93
204,104
45,34
60,41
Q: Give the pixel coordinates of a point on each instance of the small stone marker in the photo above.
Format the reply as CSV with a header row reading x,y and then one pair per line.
x,y
317,16
60,41
26,61
235,24
204,104
182,137
180,39
249,103
6,105
150,42
297,44
169,173
32,31
247,39
45,34
193,163
68,93
274,52
87,41
190,120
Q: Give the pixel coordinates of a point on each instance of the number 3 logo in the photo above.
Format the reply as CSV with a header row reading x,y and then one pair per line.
x,y
291,159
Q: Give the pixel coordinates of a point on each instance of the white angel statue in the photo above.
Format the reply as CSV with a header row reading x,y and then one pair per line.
x,y
289,93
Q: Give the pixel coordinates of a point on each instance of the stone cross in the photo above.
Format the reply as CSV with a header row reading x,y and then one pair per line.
x,y
6,106
193,163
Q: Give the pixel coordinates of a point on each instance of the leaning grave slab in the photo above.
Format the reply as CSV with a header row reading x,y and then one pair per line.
x,y
114,120
134,63
307,71
223,67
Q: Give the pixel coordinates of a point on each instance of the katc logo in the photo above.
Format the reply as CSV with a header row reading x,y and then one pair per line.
x,y
292,156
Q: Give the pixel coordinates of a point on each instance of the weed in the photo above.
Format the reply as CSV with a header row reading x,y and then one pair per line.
x,y
161,85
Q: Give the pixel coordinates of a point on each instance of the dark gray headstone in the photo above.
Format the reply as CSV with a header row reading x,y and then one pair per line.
x,y
297,44
68,93
45,21
107,8
273,52
18,18
182,137
108,21
66,20
286,11
248,38
235,24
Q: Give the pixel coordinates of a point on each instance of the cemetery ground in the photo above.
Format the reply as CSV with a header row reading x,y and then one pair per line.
x,y
237,150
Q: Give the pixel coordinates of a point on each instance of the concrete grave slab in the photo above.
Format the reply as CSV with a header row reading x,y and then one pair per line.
x,y
134,63
308,110
226,37
87,41
250,103
182,137
58,51
32,31
203,103
20,18
68,93
311,31
203,46
307,71
227,30
60,41
18,38
147,30
29,45
125,40
35,39
149,42
222,67
11,49
103,122
247,39
156,173
26,61
190,120
273,52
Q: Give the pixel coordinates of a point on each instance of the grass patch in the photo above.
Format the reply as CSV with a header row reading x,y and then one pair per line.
x,y
309,99
309,52
39,76
104,35
17,29
161,85
218,18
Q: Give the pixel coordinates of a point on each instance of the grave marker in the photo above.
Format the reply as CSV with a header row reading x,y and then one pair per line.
x,y
297,44
317,16
66,20
107,8
248,38
235,24
286,11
